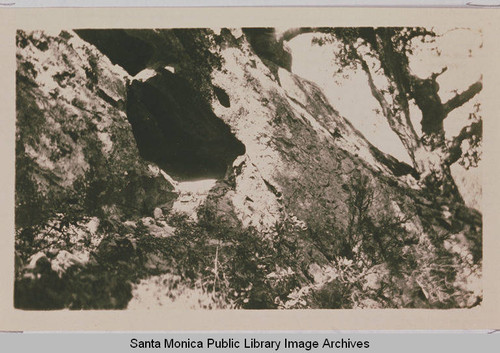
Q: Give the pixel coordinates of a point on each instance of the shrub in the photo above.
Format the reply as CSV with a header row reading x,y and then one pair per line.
x,y
245,267
333,295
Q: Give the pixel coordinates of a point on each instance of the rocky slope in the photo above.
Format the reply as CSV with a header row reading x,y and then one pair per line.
x,y
194,164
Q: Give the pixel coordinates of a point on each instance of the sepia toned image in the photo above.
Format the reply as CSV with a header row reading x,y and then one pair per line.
x,y
248,168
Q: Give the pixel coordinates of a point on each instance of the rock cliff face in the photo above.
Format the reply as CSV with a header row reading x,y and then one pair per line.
x,y
72,131
300,209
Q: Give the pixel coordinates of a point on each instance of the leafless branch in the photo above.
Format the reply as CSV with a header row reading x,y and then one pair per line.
x,y
462,98
455,150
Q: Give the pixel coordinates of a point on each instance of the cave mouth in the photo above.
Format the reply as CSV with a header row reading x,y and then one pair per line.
x,y
121,47
176,129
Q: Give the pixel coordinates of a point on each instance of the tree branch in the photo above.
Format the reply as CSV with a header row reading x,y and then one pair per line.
x,y
462,98
377,93
455,150
435,75
291,33
402,127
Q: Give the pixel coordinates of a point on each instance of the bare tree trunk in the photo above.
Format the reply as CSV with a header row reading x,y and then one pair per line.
x,y
430,155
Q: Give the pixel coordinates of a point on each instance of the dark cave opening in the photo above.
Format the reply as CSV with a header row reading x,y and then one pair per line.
x,y
122,48
176,129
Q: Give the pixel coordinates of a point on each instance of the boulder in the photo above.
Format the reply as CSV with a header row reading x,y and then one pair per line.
x,y
114,248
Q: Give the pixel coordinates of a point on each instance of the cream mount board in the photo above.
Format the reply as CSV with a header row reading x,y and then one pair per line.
x,y
254,178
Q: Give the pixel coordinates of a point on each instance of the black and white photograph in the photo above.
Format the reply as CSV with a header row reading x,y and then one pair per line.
x,y
269,167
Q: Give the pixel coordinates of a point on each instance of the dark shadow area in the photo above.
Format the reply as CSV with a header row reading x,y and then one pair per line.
x,y
222,97
267,47
177,130
131,53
